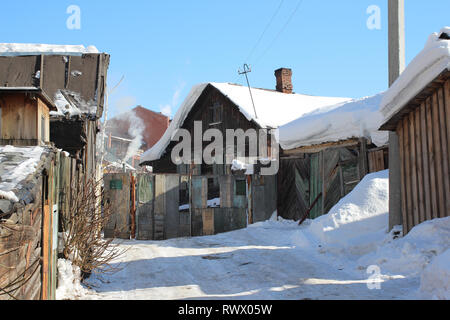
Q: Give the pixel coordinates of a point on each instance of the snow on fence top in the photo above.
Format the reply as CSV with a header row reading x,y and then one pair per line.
x,y
16,164
353,119
425,67
273,109
25,49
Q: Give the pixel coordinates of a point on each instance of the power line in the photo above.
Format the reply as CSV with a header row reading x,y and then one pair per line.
x,y
265,30
262,35
277,36
281,31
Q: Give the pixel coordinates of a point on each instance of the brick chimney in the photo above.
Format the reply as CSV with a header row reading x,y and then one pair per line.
x,y
284,80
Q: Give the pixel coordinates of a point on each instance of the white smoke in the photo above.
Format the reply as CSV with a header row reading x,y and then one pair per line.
x,y
136,131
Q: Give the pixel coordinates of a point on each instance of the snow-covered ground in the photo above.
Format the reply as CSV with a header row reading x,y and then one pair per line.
x,y
347,254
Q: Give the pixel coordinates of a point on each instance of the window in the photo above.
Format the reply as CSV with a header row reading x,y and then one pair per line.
x,y
241,188
216,113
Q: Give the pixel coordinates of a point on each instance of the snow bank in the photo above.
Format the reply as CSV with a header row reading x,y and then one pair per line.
x,y
355,235
69,281
357,218
273,109
424,68
22,49
354,119
435,282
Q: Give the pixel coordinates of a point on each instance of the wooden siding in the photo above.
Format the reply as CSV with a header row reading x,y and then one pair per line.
x,y
315,182
19,118
231,118
424,136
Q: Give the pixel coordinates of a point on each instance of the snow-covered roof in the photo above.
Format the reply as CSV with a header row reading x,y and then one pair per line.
x,y
424,68
25,49
354,119
273,109
71,104
16,164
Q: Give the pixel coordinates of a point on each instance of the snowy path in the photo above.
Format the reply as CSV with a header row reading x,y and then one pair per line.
x,y
245,264
325,258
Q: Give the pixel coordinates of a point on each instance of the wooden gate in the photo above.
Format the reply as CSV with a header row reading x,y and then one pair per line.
x,y
313,183
144,208
117,196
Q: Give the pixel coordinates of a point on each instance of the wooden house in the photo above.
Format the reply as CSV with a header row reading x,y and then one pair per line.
x,y
326,154
71,80
224,106
25,116
125,131
47,97
417,108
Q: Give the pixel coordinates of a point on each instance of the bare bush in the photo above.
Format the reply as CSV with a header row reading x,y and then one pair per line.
x,y
84,244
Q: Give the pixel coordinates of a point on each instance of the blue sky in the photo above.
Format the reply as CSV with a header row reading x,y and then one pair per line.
x,y
163,48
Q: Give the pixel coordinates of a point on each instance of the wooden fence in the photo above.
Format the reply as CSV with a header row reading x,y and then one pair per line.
x,y
176,205
29,237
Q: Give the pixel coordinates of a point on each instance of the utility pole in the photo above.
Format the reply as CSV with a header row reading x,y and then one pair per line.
x,y
248,70
396,66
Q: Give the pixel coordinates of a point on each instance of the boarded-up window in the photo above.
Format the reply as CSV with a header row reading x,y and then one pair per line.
x,y
216,113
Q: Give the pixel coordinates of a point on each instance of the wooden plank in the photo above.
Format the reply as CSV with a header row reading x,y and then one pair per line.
x,y
172,214
447,121
443,124
45,252
320,147
315,185
425,162
420,190
199,192
438,157
431,160
408,188
144,212
401,139
208,221
447,110
376,160
413,164
160,189
226,191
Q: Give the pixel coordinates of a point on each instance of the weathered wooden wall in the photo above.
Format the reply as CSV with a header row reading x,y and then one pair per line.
x,y
314,182
28,241
19,119
117,195
424,138
159,197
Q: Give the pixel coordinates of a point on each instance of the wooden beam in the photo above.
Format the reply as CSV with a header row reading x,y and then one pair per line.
x,y
319,147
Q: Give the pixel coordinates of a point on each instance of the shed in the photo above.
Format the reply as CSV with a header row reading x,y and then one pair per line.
x,y
25,116
325,154
417,107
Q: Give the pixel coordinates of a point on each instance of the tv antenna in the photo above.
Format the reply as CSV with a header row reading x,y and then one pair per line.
x,y
248,69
